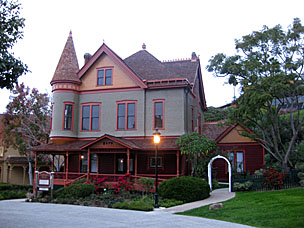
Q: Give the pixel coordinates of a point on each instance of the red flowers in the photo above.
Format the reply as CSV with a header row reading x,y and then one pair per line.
x,y
124,183
98,182
273,178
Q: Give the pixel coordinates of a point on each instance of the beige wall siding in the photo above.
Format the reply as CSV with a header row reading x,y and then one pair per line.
x,y
119,78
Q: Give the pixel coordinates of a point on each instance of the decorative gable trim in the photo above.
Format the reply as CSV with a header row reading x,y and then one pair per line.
x,y
229,129
112,138
115,58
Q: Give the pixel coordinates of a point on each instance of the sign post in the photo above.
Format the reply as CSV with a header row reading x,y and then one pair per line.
x,y
44,182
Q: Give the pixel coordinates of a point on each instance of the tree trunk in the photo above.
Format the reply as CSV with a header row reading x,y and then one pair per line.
x,y
285,168
30,173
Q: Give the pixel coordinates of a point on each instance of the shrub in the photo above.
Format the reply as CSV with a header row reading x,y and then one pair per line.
x,y
82,180
246,186
10,194
15,187
273,178
301,175
147,184
124,183
75,191
98,183
134,205
169,202
186,189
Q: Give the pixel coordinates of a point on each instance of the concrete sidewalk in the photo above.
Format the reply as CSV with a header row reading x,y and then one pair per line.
x,y
216,196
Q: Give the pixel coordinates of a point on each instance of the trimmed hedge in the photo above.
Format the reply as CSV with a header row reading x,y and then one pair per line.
x,y
185,188
134,205
75,191
15,187
9,194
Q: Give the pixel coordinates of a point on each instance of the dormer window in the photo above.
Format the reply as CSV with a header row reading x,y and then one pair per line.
x,y
104,76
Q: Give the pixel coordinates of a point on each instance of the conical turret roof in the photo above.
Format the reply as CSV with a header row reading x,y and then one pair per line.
x,y
67,67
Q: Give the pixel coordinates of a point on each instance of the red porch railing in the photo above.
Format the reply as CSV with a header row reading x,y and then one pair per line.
x,y
62,178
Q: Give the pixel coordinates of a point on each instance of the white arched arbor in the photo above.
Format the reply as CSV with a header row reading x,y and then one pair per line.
x,y
210,170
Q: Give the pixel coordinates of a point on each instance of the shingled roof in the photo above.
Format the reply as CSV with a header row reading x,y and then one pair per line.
x,y
147,67
67,67
212,130
132,143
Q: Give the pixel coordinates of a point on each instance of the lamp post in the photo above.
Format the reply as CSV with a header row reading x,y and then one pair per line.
x,y
156,140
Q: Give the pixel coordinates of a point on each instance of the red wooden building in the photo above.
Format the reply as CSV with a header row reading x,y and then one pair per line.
x,y
244,154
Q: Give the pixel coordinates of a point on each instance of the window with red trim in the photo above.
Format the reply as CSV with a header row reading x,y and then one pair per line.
x,y
68,116
158,114
237,160
126,115
104,76
90,116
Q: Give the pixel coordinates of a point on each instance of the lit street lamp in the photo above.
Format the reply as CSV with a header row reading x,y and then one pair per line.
x,y
156,140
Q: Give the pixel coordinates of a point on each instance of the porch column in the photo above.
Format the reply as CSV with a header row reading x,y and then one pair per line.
x,y
177,163
53,157
24,172
67,166
128,160
114,163
10,174
89,159
97,163
136,163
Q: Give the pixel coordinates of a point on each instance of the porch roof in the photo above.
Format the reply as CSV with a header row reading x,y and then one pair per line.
x,y
167,143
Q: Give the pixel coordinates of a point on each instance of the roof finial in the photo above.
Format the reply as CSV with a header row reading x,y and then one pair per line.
x,y
70,35
144,46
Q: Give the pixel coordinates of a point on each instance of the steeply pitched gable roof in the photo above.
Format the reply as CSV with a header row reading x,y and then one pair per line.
x,y
104,49
67,67
212,130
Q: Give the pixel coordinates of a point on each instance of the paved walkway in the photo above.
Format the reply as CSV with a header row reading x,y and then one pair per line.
x,y
218,195
18,214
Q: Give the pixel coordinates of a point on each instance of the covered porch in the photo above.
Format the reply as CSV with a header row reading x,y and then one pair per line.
x,y
112,157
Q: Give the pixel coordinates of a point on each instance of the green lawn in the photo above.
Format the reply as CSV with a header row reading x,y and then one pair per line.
x,y
284,208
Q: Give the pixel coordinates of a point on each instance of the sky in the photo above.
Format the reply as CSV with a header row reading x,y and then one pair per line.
x,y
170,29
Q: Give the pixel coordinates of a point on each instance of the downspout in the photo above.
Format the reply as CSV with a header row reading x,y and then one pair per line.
x,y
145,113
186,122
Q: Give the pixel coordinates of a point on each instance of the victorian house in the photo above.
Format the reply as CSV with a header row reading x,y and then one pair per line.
x,y
105,113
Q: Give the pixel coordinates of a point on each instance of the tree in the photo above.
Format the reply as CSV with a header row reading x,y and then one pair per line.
x,y
216,114
11,25
27,121
199,151
269,70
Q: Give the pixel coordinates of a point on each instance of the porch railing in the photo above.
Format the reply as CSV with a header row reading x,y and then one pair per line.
x,y
62,178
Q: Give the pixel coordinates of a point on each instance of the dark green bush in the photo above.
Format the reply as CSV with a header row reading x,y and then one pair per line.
x,y
82,180
134,205
169,202
186,189
11,194
15,187
75,191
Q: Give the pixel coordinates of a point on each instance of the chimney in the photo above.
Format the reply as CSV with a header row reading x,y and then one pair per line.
x,y
87,57
193,57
